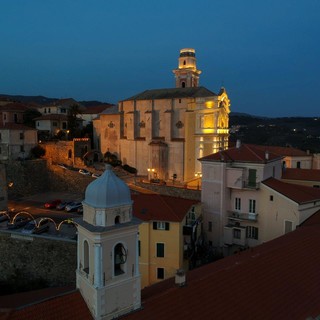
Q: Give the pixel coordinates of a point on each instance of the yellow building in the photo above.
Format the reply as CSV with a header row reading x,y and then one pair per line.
x,y
167,130
167,236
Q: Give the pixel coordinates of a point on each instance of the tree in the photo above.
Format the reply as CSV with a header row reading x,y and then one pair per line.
x,y
38,151
28,117
73,122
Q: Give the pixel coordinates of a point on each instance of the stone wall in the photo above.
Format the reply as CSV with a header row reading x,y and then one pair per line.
x,y
52,261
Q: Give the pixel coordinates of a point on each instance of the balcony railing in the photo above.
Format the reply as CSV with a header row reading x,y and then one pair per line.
x,y
243,216
250,184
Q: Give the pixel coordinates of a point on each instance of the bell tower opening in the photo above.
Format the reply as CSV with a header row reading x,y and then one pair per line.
x,y
187,74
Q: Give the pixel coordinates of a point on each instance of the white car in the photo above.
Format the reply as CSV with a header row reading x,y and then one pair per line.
x,y
85,172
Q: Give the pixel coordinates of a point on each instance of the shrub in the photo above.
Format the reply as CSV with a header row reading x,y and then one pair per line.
x,y
38,151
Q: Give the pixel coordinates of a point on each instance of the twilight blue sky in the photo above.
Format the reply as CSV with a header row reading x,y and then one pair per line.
x,y
265,53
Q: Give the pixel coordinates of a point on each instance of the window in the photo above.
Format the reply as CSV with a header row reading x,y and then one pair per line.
x,y
4,116
54,124
236,233
120,258
49,110
252,206
237,203
161,225
298,164
252,232
45,110
21,148
160,273
86,257
252,178
15,117
179,100
139,248
21,135
64,125
160,250
210,226
63,110
271,198
287,226
38,124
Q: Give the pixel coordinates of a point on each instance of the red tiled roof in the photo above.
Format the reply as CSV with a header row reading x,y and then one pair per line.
x,y
14,126
277,280
64,307
149,207
244,153
313,220
285,151
14,106
96,109
53,116
301,174
297,193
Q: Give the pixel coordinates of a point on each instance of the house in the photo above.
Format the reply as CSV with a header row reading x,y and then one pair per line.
x,y
92,112
244,201
168,235
164,131
12,112
16,141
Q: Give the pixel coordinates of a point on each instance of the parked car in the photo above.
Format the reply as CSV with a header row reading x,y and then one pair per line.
x,y
62,205
52,204
4,216
95,175
85,172
80,210
73,206
19,222
36,226
61,165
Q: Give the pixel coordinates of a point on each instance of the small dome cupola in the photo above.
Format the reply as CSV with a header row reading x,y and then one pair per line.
x,y
107,191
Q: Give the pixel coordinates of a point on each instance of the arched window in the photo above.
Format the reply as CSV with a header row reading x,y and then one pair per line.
x,y
117,220
184,62
183,84
120,258
86,257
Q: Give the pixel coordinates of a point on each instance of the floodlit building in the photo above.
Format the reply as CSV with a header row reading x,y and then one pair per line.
x,y
162,132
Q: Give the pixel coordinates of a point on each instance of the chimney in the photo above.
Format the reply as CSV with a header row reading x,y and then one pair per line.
x,y
180,278
238,144
267,155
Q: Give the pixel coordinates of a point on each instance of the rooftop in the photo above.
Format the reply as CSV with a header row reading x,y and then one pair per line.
x,y
301,174
298,193
243,153
148,207
173,93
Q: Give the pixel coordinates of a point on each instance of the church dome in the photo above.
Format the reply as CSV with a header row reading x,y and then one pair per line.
x,y
107,191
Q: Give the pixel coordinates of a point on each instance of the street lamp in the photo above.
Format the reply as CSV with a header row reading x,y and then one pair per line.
x,y
150,171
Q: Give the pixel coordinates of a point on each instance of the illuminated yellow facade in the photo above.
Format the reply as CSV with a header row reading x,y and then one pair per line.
x,y
168,129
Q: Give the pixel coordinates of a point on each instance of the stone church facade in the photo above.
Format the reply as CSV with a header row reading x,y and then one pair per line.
x,y
163,132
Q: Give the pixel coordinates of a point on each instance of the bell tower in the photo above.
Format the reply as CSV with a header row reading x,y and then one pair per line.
x,y
108,263
187,74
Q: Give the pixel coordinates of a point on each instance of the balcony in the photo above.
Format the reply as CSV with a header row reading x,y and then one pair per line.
x,y
250,185
242,216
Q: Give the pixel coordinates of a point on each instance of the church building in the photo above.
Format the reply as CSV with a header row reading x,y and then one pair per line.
x,y
162,132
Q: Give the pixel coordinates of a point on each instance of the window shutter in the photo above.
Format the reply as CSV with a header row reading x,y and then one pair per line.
x,y
154,225
167,226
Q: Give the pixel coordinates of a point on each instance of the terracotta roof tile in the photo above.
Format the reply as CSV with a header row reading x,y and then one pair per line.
x,y
301,174
297,193
64,307
59,117
243,153
97,109
313,220
14,106
285,151
149,207
277,280
14,126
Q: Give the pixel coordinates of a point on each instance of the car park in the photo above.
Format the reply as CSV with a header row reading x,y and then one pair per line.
x,y
36,226
52,204
18,222
73,206
85,172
